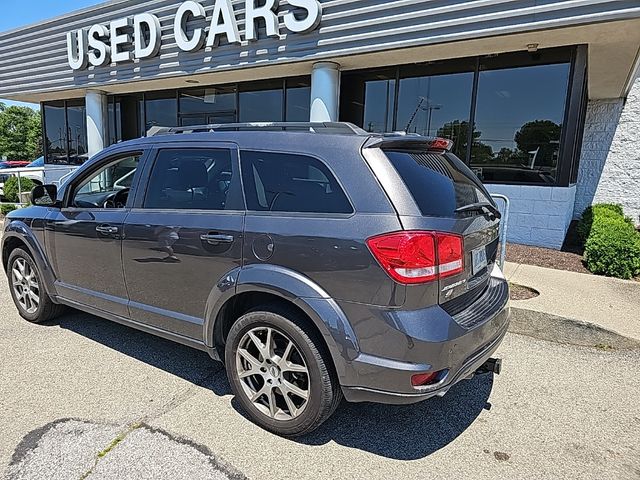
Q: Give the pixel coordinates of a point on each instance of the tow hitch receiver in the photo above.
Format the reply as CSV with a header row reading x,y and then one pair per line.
x,y
493,365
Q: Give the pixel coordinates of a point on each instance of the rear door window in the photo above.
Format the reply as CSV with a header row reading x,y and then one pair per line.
x,y
440,183
283,182
190,179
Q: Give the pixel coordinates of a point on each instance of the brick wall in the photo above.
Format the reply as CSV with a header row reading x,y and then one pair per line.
x,y
610,162
538,216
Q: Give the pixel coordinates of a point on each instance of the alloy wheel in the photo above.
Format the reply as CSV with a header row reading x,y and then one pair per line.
x,y
273,374
25,285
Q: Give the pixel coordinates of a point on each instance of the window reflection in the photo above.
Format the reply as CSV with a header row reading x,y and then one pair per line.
x,y
298,104
261,102
65,132
208,100
437,106
55,133
161,110
368,99
519,110
77,132
519,123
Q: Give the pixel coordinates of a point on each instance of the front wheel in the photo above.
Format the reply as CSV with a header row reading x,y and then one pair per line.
x,y
279,372
28,294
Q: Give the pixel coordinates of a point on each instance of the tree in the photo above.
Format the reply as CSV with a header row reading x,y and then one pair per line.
x,y
20,133
541,136
458,132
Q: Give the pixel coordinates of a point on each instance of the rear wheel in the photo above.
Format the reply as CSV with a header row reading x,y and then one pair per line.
x,y
28,294
279,373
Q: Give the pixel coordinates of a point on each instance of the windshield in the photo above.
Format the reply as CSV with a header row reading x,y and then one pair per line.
x,y
440,183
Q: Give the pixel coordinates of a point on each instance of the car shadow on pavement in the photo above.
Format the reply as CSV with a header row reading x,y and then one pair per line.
x,y
188,363
405,432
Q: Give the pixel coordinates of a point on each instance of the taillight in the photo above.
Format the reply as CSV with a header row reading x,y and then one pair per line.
x,y
450,254
411,257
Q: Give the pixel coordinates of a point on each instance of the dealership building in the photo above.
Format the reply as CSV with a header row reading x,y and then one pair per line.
x,y
541,98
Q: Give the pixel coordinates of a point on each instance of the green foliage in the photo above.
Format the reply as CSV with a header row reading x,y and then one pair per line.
x,y
11,187
20,133
6,208
600,210
613,244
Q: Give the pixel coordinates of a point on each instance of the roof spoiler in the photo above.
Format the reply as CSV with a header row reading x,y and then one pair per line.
x,y
410,142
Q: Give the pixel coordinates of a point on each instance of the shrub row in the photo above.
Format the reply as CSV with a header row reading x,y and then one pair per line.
x,y
611,242
11,187
7,208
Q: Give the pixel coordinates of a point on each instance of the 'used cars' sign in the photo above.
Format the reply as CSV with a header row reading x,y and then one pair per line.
x,y
140,36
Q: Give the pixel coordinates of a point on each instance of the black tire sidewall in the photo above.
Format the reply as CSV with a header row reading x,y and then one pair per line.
x,y
313,410
37,315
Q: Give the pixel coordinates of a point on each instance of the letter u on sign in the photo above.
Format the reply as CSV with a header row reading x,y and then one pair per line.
x,y
77,49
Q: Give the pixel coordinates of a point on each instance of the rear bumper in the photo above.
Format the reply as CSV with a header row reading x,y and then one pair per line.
x,y
422,341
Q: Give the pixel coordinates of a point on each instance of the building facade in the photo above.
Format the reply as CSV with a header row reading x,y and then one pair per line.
x,y
541,98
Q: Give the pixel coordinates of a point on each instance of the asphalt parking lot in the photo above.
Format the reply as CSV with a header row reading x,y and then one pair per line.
x,y
86,398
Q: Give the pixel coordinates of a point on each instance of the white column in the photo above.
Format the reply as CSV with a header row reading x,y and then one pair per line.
x,y
96,103
325,92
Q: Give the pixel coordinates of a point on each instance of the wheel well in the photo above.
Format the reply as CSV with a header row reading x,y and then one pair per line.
x,y
9,246
240,304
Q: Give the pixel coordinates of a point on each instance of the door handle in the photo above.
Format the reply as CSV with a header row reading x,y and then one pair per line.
x,y
216,239
107,229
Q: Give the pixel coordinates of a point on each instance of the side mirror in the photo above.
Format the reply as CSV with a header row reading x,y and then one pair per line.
x,y
44,195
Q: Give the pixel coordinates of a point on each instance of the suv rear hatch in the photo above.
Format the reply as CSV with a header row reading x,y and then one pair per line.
x,y
444,196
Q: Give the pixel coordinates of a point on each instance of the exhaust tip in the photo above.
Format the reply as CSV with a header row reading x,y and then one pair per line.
x,y
492,365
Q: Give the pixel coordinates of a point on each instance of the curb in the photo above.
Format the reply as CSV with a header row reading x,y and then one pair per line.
x,y
553,328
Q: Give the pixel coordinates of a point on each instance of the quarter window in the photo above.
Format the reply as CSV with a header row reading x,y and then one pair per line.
x,y
197,179
280,182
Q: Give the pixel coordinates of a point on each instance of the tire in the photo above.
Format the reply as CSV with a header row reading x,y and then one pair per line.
x,y
291,416
44,309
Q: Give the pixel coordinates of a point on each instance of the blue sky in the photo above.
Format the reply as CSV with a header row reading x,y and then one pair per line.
x,y
14,14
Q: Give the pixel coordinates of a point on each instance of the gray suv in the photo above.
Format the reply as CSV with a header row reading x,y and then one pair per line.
x,y
317,261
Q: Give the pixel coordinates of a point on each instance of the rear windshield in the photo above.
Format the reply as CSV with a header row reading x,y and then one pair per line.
x,y
439,182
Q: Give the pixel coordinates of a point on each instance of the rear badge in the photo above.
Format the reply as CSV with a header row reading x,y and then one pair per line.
x,y
448,290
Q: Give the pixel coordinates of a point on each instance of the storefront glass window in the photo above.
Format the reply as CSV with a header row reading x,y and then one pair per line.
x,y
115,124
208,100
298,100
437,105
518,124
65,132
77,132
262,102
368,99
55,133
161,110
505,113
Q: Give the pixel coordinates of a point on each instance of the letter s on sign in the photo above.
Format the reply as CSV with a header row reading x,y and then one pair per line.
x,y
308,23
99,53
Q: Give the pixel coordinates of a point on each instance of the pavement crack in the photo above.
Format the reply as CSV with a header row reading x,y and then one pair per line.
x,y
113,444
181,397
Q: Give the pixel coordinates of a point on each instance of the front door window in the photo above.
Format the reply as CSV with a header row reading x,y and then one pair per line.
x,y
109,187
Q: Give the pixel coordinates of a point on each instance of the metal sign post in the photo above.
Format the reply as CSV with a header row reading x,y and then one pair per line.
x,y
503,226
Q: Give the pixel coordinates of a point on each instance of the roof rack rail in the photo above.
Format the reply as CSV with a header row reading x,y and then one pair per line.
x,y
313,127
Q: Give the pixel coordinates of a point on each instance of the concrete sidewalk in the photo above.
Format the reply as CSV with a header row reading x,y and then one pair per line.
x,y
609,303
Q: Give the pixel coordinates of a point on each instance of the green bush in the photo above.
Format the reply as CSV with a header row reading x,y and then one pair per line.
x,y
7,207
613,244
11,187
600,210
